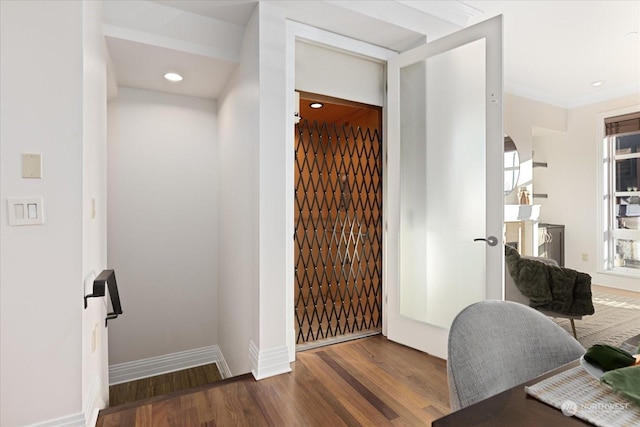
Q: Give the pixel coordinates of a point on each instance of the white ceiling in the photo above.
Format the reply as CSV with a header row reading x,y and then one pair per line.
x,y
553,50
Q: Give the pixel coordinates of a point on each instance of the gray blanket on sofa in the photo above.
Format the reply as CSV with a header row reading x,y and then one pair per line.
x,y
549,287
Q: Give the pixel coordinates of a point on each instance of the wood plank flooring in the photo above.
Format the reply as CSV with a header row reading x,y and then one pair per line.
x,y
158,385
622,292
365,382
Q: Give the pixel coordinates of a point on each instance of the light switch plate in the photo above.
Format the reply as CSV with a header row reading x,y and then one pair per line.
x,y
25,211
31,165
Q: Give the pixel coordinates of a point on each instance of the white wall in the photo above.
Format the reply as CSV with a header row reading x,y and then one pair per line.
x,y
521,115
44,69
238,155
162,228
553,148
328,71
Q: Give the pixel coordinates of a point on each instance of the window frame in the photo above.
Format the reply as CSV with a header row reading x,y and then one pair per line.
x,y
608,230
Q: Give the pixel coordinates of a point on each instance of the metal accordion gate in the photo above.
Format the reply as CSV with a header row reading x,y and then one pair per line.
x,y
338,233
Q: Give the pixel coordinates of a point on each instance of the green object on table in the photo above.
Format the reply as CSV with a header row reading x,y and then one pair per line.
x,y
625,381
608,357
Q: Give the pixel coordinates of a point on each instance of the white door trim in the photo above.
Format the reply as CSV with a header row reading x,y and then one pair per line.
x,y
298,31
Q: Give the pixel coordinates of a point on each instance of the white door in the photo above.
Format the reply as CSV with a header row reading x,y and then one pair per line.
x,y
444,183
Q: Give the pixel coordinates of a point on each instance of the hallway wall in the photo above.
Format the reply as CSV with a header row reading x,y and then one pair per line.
x,y
162,228
52,103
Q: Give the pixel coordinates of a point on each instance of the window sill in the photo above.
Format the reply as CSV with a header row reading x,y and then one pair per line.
x,y
622,272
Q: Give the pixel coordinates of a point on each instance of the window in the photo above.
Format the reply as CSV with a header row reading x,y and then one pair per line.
x,y
621,172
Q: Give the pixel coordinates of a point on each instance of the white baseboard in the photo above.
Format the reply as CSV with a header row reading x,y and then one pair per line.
x,y
88,417
144,368
268,363
74,420
616,281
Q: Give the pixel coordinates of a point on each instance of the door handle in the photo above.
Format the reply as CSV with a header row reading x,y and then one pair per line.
x,y
491,240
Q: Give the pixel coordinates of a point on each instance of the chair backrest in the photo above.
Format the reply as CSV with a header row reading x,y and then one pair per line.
x,y
511,291
496,345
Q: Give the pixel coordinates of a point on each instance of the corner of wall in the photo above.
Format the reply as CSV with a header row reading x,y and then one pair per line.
x,y
223,368
93,402
268,363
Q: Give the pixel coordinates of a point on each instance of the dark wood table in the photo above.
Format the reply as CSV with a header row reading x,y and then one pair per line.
x,y
513,407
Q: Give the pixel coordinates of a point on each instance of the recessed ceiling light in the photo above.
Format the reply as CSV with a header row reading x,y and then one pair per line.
x,y
597,83
173,77
316,105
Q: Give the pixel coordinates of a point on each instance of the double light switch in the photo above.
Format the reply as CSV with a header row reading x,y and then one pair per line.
x,y
25,211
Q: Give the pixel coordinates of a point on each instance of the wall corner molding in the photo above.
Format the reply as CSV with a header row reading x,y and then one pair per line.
x,y
268,363
225,372
291,345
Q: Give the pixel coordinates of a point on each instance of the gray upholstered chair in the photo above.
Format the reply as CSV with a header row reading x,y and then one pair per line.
x,y
496,345
512,293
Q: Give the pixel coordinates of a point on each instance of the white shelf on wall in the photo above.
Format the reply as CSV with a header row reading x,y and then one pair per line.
x,y
521,213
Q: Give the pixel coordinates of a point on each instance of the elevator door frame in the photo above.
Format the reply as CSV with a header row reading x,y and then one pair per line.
x,y
298,31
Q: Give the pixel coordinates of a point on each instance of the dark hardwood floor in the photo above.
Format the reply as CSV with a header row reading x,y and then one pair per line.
x,y
120,394
365,382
